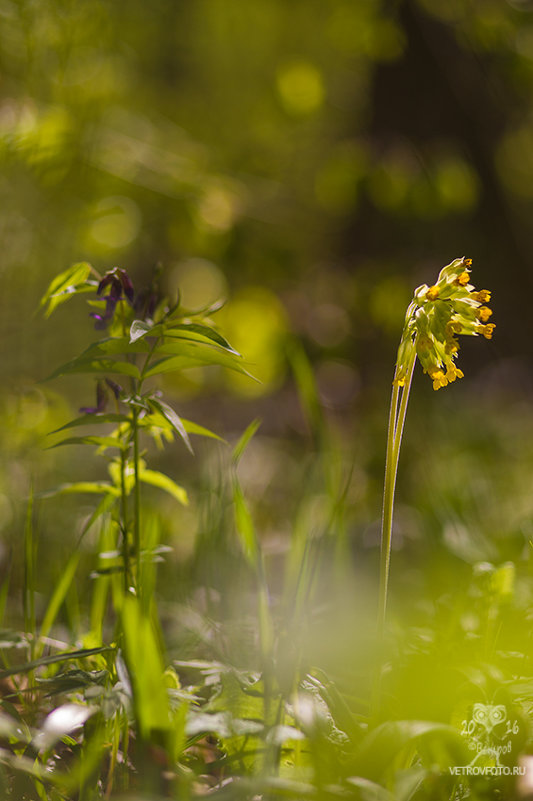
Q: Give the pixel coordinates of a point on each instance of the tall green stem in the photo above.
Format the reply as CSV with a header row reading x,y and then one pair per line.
x,y
124,518
394,440
136,495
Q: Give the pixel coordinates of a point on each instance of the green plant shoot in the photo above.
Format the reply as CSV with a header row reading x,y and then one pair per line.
x,y
145,335
435,317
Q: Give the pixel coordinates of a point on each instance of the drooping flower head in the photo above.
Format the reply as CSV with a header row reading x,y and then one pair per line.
x,y
436,316
119,286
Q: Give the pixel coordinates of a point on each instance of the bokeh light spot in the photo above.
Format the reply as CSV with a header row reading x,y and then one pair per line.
x,y
301,88
256,324
199,282
116,223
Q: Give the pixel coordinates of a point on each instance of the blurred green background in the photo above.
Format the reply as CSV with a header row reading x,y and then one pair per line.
x,y
312,162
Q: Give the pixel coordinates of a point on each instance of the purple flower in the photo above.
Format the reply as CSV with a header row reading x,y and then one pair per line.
x,y
120,288
102,396
101,400
115,388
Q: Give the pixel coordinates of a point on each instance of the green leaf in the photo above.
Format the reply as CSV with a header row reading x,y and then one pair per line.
x,y
92,419
164,482
194,428
71,680
382,745
81,365
306,386
145,668
92,487
193,354
245,438
66,285
170,415
245,526
114,346
201,333
58,596
102,442
65,656
103,506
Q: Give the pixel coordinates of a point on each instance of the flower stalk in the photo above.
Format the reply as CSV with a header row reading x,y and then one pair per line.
x,y
434,318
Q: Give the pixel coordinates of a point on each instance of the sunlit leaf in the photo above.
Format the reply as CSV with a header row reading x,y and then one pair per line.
x,y
201,333
92,487
61,721
66,285
245,438
157,479
146,674
245,526
194,428
138,329
58,596
197,354
170,415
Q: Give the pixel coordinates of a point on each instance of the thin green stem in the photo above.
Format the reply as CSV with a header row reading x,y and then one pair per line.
x,y
136,495
394,439
388,506
124,519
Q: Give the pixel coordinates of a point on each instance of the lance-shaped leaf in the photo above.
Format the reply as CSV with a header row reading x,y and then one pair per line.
x,y
66,285
182,354
245,526
170,415
102,366
101,442
91,487
164,482
150,699
156,421
114,346
92,419
64,656
201,333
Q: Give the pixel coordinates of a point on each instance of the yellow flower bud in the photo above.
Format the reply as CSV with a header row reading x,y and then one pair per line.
x,y
483,296
433,293
439,379
484,313
487,330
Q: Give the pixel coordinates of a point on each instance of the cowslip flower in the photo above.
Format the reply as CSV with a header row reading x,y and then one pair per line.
x,y
435,317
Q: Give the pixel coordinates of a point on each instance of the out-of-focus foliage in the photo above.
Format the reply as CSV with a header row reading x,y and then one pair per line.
x,y
342,145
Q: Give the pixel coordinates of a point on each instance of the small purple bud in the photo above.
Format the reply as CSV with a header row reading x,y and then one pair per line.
x,y
127,285
101,400
103,320
115,388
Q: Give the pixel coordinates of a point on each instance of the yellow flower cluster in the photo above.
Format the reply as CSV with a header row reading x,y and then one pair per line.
x,y
435,316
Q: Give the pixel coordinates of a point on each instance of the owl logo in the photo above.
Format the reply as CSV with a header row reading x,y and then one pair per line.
x,y
489,715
